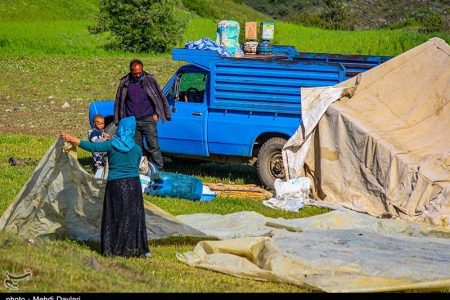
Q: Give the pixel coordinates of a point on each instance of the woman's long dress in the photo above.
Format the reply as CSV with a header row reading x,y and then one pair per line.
x,y
123,230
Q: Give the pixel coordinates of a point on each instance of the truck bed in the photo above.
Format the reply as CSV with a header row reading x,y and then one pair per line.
x,y
271,83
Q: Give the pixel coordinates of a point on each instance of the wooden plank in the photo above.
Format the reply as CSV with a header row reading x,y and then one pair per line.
x,y
248,191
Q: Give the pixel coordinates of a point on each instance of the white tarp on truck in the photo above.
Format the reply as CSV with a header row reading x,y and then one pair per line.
x,y
384,147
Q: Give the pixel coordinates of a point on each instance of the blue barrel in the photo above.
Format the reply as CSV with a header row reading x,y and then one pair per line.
x,y
264,47
176,186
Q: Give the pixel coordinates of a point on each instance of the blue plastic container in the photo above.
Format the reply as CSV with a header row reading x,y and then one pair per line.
x,y
176,186
264,47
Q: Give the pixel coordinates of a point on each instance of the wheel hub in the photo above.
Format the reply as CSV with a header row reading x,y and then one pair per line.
x,y
276,166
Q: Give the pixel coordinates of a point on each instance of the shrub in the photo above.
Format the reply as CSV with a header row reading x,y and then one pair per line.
x,y
336,16
140,25
333,15
431,22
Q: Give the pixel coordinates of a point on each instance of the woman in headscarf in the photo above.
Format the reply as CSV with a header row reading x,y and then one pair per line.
x,y
123,231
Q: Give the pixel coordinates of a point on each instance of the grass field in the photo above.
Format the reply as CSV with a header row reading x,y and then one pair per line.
x,y
71,37
60,27
47,58
69,266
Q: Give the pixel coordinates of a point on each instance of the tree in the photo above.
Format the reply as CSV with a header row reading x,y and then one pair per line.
x,y
140,25
335,14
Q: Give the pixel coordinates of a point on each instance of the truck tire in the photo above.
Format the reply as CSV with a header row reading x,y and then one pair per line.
x,y
269,164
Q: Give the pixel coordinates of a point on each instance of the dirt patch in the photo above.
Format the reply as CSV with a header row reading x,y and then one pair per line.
x,y
44,119
31,99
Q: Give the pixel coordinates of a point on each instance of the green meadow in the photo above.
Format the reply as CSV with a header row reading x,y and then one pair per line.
x,y
48,57
60,27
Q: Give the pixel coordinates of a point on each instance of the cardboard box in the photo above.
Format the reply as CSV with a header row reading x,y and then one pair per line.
x,y
251,30
267,29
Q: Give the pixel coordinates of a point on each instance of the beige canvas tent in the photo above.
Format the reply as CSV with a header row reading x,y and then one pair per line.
x,y
384,147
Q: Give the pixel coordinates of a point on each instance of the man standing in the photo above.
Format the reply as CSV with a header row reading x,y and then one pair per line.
x,y
139,95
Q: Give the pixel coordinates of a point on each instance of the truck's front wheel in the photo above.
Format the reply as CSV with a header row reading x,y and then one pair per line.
x,y
270,161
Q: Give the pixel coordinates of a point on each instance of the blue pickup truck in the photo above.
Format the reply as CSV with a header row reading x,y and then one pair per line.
x,y
242,109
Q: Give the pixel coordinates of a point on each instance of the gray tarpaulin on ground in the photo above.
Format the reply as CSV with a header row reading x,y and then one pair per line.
x,y
62,200
384,147
337,251
340,251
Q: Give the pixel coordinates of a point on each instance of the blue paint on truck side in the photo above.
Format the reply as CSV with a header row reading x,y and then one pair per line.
x,y
224,107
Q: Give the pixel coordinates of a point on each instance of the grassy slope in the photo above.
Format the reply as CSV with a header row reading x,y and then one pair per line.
x,y
52,27
53,10
64,266
41,84
60,27
227,9
47,43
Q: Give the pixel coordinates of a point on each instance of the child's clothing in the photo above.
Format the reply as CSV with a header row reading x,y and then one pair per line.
x,y
96,136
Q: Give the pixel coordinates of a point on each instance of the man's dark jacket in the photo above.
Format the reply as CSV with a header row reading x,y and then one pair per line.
x,y
154,94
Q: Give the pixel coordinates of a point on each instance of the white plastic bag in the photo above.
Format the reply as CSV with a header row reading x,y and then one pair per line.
x,y
290,195
100,173
145,181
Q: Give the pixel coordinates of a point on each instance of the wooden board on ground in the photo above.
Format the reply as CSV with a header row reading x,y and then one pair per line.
x,y
249,191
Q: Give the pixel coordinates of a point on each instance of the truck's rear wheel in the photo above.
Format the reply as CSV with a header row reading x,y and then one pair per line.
x,y
270,161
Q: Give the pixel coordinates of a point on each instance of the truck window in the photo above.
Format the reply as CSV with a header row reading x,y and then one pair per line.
x,y
192,87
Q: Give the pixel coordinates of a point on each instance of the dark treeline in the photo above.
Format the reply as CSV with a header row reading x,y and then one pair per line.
x,y
422,15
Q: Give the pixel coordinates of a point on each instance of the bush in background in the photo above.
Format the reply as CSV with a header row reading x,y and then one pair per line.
x,y
140,25
430,21
333,15
336,16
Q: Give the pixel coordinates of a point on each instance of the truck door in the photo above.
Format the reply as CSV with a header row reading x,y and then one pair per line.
x,y
186,133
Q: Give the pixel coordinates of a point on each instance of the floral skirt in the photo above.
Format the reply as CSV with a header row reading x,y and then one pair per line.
x,y
123,230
